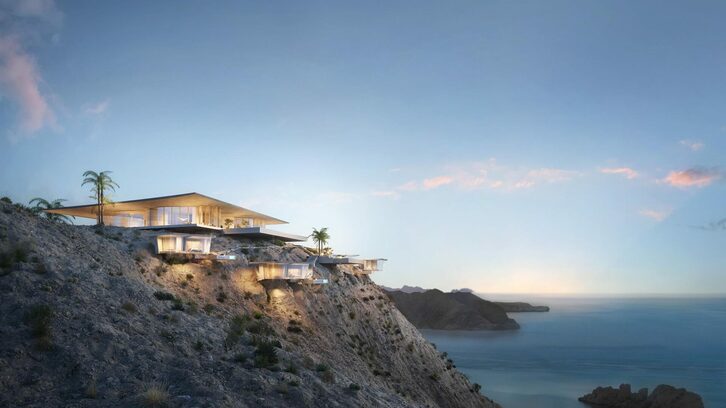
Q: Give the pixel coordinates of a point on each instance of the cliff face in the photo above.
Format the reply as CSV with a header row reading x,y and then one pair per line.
x,y
92,318
435,309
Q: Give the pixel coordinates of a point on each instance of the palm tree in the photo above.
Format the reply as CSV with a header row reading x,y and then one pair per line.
x,y
39,205
100,183
321,238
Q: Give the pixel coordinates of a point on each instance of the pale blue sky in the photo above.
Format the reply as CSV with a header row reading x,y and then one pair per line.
x,y
564,146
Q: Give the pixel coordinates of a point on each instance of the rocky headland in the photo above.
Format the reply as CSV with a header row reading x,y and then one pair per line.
x,y
91,317
434,309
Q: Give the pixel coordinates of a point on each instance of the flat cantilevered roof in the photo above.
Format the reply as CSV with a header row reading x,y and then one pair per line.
x,y
178,200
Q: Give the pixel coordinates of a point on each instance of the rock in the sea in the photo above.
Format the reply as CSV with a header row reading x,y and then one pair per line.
x,y
663,396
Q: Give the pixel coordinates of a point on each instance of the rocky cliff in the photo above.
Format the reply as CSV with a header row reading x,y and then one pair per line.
x,y
434,309
92,318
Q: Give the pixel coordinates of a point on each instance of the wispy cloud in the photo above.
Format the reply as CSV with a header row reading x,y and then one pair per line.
x,y
694,145
486,174
436,182
657,215
693,177
627,172
20,79
97,108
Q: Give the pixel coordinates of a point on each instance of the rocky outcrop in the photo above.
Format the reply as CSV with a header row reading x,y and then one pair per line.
x,y
663,396
434,309
91,317
521,307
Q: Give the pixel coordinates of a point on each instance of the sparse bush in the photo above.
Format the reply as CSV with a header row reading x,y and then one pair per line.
x,y
476,387
221,297
294,329
177,304
321,367
237,327
294,383
175,259
353,387
257,315
190,277
209,308
167,335
161,295
240,358
91,390
160,269
266,354
291,368
129,307
260,327
155,396
351,315
435,377
198,345
39,318
6,200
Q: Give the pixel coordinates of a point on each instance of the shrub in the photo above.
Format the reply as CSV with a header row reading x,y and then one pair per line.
x,y
321,367
167,335
221,297
240,358
260,327
236,329
294,329
291,368
175,259
39,318
476,387
177,304
209,308
129,307
294,383
161,295
155,396
434,377
6,200
327,376
351,315
353,387
160,269
91,390
265,354
198,345
190,277
257,315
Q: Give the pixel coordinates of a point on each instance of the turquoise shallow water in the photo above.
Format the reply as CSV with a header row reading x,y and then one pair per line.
x,y
582,343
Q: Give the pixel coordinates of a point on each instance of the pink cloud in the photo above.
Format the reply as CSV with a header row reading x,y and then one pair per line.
x,y
658,215
693,145
436,182
19,78
627,172
695,177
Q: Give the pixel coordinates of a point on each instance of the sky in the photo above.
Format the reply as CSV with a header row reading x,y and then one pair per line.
x,y
566,147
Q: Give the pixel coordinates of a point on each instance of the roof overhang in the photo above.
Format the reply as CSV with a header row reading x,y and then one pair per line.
x,y
178,200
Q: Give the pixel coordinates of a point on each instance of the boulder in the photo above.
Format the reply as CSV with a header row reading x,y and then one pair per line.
x,y
663,396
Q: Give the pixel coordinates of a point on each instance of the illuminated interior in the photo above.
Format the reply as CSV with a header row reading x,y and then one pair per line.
x,y
180,243
271,270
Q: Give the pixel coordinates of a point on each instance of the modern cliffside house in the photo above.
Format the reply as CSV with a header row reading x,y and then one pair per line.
x,y
288,271
365,266
191,212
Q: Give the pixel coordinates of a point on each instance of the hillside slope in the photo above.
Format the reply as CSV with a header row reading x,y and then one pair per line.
x,y
91,318
434,309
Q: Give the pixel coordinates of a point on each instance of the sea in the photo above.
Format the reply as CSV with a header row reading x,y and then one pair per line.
x,y
583,343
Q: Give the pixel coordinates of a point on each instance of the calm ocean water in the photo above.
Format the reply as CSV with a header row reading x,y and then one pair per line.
x,y
584,343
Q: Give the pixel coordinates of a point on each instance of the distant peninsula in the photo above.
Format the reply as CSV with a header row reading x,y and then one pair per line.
x,y
434,309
